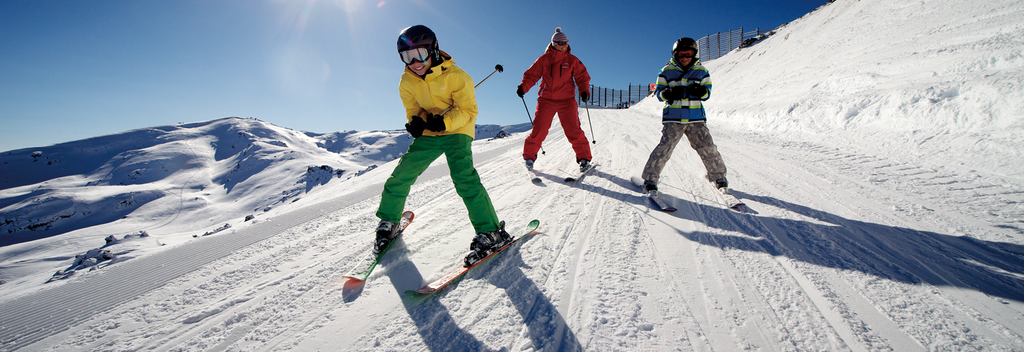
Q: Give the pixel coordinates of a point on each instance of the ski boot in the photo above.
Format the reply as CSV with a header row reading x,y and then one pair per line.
x,y
722,184
529,164
386,232
486,243
585,165
651,188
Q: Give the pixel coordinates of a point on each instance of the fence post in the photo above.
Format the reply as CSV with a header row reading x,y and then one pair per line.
x,y
719,44
719,51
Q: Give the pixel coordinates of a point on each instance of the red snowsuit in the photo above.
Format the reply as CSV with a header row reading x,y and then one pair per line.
x,y
562,73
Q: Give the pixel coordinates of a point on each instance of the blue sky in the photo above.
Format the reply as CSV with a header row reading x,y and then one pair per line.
x,y
77,69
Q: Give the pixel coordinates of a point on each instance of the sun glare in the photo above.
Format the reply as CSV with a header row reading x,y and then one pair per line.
x,y
349,6
307,10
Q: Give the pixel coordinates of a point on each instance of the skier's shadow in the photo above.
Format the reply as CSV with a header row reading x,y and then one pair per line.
x,y
634,197
437,327
546,177
895,253
891,252
440,331
352,289
548,330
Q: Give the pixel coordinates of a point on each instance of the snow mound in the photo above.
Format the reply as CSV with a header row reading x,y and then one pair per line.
x,y
912,83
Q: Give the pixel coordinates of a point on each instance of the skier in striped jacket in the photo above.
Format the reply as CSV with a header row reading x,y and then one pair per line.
x,y
684,84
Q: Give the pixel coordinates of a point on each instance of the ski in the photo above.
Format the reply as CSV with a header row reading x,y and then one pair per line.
x,y
534,177
730,201
653,196
582,173
361,271
444,281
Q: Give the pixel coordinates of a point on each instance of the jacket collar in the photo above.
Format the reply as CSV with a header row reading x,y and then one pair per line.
x,y
551,49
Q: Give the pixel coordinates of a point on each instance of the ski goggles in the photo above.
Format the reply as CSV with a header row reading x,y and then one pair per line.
x,y
686,54
415,54
561,43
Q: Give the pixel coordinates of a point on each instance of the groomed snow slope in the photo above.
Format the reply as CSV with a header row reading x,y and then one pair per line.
x,y
862,239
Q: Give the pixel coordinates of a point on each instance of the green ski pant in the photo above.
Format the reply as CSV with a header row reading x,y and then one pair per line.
x,y
423,151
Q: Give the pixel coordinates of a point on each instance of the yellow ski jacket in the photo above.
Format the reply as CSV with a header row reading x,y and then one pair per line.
x,y
445,85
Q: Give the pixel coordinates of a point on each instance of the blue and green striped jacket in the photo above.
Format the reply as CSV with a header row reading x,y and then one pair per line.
x,y
687,109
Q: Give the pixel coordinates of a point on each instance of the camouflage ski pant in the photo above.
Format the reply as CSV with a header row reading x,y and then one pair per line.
x,y
700,140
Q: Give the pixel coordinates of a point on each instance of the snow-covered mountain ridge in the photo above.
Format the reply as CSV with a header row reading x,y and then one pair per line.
x,y
177,181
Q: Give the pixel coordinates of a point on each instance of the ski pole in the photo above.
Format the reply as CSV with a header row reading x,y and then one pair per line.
x,y
587,106
497,68
529,115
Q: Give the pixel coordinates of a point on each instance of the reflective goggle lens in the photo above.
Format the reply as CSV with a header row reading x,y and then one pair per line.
x,y
687,54
413,55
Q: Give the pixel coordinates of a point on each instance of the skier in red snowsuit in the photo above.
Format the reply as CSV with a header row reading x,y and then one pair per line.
x,y
560,74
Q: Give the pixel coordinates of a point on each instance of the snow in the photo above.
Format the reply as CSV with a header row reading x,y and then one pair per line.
x,y
878,144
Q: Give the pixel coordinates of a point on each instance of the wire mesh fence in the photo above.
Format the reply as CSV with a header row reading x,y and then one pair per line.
x,y
610,98
713,46
710,46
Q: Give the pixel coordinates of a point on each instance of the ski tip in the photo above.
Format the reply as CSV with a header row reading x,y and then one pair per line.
x,y
536,180
639,182
743,208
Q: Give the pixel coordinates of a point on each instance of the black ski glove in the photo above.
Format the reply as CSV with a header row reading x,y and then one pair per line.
x,y
673,93
696,90
435,123
519,91
416,127
584,96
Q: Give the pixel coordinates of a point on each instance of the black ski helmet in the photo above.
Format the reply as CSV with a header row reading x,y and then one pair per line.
x,y
419,36
686,43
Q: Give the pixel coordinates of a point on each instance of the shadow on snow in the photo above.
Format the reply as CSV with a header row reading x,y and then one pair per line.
x,y
894,253
546,328
890,252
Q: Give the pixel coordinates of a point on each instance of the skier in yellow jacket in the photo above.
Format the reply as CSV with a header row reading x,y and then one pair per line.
x,y
440,105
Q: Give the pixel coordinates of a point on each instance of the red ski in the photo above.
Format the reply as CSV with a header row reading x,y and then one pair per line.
x,y
444,281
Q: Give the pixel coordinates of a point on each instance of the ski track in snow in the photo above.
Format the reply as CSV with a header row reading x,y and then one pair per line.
x,y
606,272
858,240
